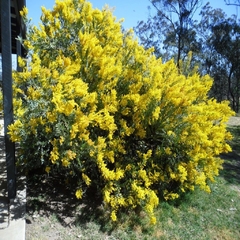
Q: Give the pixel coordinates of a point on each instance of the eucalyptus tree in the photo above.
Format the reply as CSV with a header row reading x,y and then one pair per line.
x,y
220,37
171,30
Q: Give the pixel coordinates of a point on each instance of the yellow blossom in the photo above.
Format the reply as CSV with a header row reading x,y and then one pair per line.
x,y
79,194
86,179
47,169
168,151
71,155
153,220
113,216
61,140
24,12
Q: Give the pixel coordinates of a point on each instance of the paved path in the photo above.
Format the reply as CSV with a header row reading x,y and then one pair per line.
x,y
12,215
234,121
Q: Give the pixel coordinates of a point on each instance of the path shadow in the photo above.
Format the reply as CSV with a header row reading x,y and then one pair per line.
x,y
231,166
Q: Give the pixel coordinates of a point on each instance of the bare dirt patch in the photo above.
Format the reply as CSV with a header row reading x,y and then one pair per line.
x,y
50,210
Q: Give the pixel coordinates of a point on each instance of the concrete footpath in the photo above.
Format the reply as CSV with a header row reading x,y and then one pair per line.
x,y
12,214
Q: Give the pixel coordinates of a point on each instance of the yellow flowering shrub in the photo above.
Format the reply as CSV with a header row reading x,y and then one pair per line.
x,y
92,103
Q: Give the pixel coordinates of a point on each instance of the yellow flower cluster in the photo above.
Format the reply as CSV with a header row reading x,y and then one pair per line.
x,y
93,102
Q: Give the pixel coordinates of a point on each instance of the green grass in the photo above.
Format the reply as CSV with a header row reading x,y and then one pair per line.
x,y
203,216
198,215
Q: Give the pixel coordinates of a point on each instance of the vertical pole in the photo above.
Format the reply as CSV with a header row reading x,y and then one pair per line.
x,y
7,94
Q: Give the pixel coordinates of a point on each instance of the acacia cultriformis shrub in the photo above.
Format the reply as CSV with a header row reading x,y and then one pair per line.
x,y
93,103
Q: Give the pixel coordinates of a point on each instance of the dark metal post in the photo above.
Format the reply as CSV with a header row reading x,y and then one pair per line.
x,y
7,94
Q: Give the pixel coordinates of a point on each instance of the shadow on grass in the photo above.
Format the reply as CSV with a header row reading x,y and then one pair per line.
x,y
48,196
231,166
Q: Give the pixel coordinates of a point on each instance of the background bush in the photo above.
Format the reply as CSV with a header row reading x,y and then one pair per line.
x,y
93,104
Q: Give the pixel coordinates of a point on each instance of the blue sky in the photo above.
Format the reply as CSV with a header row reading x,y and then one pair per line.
x,y
131,10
